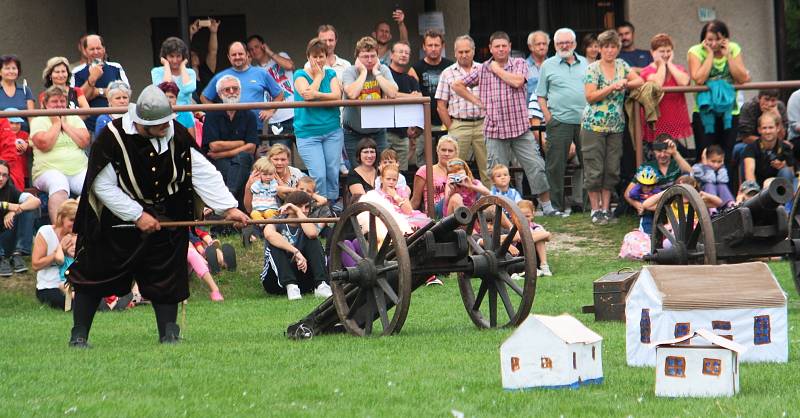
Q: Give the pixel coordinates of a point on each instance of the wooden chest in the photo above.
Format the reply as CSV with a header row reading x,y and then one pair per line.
x,y
610,292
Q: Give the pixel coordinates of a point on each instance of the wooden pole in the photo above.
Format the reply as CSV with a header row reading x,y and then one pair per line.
x,y
428,159
173,224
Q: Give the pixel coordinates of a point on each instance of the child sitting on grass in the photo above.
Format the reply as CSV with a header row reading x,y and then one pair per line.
x,y
461,189
265,190
502,180
540,237
712,174
50,246
199,265
644,186
294,261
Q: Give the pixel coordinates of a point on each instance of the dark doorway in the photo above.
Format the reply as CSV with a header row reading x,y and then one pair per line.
x,y
520,17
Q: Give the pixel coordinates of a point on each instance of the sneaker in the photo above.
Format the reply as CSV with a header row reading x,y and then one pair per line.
x,y
18,263
518,276
216,296
555,212
293,292
538,273
433,281
596,216
5,267
545,270
323,291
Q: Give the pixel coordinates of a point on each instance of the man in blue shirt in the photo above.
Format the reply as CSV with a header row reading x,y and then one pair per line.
x,y
636,58
93,77
562,100
230,137
256,84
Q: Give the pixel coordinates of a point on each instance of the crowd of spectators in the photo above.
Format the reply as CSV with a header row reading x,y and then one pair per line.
x,y
545,116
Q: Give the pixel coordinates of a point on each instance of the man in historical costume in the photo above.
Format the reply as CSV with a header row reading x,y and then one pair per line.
x,y
143,169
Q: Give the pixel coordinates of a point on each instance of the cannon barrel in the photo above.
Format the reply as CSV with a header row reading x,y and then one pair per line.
x,y
461,216
778,193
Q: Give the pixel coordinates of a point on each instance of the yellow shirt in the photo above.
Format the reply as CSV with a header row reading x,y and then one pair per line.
x,y
65,156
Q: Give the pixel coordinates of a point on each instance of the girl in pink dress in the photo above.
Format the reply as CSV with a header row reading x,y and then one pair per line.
x,y
398,196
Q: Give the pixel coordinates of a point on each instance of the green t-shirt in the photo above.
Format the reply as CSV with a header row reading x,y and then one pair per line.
x,y
607,115
664,179
65,156
719,67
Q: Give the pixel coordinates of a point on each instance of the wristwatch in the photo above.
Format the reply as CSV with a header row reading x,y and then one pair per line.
x,y
101,92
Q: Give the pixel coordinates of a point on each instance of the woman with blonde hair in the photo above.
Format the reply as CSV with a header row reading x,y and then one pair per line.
x,y
54,247
57,73
446,150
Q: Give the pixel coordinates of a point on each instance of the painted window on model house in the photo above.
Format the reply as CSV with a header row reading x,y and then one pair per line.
x,y
761,330
644,327
712,366
675,366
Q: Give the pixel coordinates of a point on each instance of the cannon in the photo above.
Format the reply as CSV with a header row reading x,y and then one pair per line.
x,y
373,296
685,233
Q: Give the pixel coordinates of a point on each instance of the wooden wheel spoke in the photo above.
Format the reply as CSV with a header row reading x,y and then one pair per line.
x,y
673,221
501,289
503,249
388,290
362,242
369,318
479,297
496,227
380,303
373,237
352,253
388,266
359,299
385,246
492,305
474,245
510,282
484,230
667,234
693,236
688,228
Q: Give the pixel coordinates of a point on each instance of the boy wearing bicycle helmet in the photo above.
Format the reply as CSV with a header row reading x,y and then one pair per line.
x,y
644,186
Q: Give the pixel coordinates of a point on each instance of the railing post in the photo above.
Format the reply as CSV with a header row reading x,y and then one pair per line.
x,y
637,132
428,159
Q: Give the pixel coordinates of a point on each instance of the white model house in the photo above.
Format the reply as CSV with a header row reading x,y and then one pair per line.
x,y
741,302
551,352
698,370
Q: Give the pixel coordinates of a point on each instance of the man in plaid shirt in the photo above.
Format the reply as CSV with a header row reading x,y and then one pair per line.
x,y
507,130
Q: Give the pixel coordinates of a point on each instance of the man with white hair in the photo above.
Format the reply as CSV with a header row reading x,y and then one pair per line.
x,y
562,100
538,44
143,169
230,137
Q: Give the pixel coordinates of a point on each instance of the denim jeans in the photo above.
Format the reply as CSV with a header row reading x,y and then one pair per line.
x,y
352,138
235,171
20,237
322,155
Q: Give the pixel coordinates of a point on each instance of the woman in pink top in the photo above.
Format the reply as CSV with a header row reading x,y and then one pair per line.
x,y
446,150
674,119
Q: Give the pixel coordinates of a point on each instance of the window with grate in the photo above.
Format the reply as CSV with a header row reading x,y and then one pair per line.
x,y
712,366
761,330
682,328
547,363
644,327
675,366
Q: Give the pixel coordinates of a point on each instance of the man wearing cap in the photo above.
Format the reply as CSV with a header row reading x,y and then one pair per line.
x,y
142,170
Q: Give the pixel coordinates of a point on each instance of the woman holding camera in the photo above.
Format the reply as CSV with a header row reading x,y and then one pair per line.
x,y
767,157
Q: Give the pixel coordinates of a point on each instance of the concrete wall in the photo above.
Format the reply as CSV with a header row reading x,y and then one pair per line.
x,y
26,34
751,24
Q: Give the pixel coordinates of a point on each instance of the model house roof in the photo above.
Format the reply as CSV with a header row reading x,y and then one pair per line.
x,y
569,329
709,336
727,286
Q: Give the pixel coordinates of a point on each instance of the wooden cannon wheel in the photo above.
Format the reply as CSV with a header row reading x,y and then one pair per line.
x,y
475,291
794,234
690,235
378,288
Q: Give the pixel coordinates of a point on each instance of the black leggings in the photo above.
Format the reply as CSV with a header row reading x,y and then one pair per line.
x,y
316,271
51,297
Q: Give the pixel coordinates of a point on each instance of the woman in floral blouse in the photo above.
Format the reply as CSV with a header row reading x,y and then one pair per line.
x,y
604,122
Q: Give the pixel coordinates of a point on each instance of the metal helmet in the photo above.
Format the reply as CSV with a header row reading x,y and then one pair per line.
x,y
152,108
647,176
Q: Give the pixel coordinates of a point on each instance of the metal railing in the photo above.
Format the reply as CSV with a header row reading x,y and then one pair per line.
x,y
424,101
637,122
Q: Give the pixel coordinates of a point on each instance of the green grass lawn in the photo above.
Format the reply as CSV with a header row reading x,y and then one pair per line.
x,y
235,360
